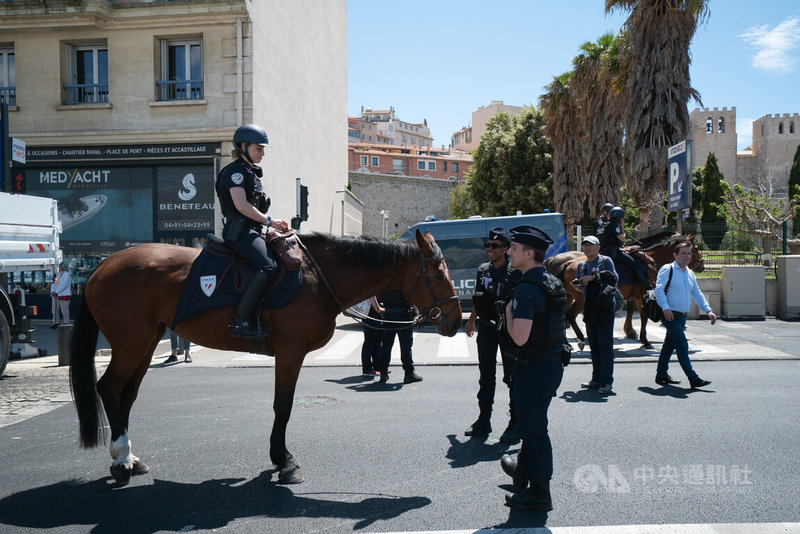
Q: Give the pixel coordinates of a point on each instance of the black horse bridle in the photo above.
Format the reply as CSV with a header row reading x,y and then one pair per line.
x,y
434,311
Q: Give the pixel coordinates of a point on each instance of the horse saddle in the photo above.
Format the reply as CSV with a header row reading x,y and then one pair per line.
x,y
643,262
219,276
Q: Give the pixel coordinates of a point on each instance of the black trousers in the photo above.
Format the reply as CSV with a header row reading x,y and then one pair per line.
x,y
404,335
488,343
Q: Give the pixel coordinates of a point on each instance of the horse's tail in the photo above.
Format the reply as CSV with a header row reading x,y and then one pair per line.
x,y
83,380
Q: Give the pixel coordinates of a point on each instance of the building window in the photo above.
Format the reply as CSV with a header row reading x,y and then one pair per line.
x,y
363,161
374,161
444,166
454,167
709,126
780,127
720,125
181,70
87,77
791,127
8,83
431,165
397,164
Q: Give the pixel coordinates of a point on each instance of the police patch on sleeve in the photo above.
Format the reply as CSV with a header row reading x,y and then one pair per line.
x,y
237,178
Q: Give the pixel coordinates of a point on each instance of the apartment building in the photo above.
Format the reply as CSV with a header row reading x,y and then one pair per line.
x,y
469,137
383,127
128,110
415,162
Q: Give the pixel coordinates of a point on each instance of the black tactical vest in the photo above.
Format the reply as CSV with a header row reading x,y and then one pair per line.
x,y
547,335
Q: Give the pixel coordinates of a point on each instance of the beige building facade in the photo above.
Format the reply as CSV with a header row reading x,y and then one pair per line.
x,y
128,110
469,137
765,165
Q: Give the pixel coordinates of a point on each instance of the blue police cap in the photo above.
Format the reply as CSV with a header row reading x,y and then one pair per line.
x,y
531,236
500,234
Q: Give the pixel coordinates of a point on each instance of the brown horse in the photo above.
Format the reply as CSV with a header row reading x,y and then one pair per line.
x,y
658,249
132,297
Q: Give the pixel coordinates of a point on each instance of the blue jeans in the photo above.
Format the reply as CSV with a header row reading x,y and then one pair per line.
x,y
176,341
675,340
601,341
532,389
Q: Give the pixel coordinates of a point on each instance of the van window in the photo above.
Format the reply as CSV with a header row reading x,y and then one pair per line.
x,y
464,253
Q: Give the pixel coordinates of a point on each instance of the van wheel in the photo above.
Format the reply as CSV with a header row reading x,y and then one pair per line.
x,y
5,342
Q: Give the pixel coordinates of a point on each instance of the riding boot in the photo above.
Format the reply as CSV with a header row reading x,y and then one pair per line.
x,y
241,327
642,277
483,426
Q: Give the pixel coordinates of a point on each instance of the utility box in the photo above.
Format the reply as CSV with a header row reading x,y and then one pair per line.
x,y
743,295
789,287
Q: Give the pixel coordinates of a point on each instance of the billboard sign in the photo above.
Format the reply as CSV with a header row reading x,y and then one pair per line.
x,y
185,198
677,186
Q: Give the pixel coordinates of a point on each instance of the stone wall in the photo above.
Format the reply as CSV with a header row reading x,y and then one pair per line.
x,y
407,201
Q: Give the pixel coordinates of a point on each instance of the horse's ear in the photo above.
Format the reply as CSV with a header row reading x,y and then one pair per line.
x,y
425,242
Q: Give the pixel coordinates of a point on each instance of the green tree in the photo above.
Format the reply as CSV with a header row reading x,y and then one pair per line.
x,y
461,203
512,167
794,190
713,224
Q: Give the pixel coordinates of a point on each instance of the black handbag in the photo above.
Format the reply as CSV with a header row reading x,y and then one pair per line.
x,y
650,306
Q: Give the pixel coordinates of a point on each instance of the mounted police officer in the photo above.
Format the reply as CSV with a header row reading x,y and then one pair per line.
x,y
493,279
600,223
535,327
612,238
244,207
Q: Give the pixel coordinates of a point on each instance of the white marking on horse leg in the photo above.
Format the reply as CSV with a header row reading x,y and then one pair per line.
x,y
121,452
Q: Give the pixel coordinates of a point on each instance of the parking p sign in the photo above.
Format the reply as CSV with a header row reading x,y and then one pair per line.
x,y
678,190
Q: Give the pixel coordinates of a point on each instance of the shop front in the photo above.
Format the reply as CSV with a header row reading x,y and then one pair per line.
x,y
114,197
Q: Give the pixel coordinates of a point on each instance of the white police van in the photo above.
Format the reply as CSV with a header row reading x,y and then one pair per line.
x,y
461,241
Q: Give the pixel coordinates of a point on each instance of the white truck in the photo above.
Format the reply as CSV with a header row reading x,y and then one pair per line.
x,y
29,229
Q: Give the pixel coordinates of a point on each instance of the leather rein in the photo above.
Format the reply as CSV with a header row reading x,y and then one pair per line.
x,y
432,312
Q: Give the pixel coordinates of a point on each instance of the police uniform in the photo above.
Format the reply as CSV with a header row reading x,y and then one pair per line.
x,y
610,246
539,297
491,285
241,233
398,308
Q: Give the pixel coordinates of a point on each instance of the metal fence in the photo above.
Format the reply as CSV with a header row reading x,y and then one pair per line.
x,y
724,244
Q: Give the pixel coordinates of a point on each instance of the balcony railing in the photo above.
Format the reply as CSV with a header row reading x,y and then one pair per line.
x,y
180,90
8,95
85,93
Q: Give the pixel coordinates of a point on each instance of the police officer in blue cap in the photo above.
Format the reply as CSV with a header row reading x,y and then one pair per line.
x,y
535,326
493,279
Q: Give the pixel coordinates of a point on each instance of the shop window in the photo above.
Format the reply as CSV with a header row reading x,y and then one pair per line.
x,y
8,89
181,70
87,74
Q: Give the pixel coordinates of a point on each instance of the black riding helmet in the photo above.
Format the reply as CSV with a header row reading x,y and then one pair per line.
x,y
616,213
249,133
607,207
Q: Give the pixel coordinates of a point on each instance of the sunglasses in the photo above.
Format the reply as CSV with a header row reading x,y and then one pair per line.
x,y
493,245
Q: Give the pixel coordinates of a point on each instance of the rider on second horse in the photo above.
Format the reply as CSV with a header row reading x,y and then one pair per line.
x,y
599,224
244,207
612,238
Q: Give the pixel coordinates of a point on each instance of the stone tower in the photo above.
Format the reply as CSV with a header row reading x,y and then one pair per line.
x,y
714,130
775,140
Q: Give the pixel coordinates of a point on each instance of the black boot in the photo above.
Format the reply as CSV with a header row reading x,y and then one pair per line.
x,y
241,327
510,434
537,497
483,426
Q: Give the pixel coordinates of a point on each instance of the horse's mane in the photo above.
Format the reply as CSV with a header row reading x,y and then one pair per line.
x,y
363,250
657,240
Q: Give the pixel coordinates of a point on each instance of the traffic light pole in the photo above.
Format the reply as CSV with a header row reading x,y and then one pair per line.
x,y
5,150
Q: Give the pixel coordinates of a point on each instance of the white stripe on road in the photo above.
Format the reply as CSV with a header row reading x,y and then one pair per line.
x,y
342,348
453,347
707,528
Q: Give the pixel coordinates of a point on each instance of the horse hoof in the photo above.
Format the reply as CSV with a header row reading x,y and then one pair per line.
x,y
140,468
631,336
290,475
580,345
647,346
121,475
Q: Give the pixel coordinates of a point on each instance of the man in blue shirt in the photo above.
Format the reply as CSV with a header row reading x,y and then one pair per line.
x,y
676,287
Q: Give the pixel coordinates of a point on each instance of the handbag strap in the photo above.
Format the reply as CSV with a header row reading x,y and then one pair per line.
x,y
669,280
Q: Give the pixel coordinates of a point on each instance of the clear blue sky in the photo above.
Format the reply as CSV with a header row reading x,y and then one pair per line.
x,y
441,59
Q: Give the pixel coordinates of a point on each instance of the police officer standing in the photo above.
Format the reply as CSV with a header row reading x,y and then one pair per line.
x,y
244,208
535,322
493,278
612,238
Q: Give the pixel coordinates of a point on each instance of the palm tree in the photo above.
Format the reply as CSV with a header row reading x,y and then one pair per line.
x,y
602,106
656,117
560,112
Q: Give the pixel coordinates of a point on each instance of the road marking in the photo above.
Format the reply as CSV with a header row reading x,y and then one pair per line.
x,y
453,347
705,528
342,348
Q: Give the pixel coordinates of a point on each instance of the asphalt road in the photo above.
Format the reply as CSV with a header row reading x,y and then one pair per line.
x,y
393,458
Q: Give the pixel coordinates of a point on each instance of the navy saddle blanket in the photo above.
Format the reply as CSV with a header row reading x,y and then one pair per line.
x,y
213,283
